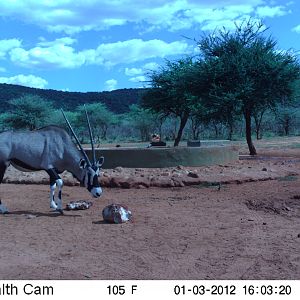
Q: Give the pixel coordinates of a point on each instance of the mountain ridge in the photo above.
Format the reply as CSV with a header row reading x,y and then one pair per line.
x,y
118,101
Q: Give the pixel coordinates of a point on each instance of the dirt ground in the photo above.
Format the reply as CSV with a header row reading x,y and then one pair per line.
x,y
249,230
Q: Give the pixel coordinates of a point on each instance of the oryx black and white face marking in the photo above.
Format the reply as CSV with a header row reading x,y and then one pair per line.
x,y
90,178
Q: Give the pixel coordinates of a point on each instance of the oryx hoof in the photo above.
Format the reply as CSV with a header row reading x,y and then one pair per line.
x,y
60,211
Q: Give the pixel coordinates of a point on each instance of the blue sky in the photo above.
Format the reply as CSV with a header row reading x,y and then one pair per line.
x,y
98,45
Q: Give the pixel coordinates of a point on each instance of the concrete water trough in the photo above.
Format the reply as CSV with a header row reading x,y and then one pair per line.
x,y
162,157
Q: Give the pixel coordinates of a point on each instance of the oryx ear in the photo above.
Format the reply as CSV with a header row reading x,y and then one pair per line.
x,y
100,162
82,163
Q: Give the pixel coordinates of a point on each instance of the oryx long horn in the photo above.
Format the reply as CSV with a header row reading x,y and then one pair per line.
x,y
77,140
91,135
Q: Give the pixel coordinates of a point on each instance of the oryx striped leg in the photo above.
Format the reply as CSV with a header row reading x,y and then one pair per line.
x,y
55,181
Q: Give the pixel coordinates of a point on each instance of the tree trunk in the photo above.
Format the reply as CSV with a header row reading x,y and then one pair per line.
x,y
216,130
230,133
257,133
195,126
183,121
104,132
258,121
251,147
195,133
287,127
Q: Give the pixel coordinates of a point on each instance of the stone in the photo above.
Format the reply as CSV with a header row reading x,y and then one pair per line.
x,y
114,182
177,182
162,182
191,181
138,182
141,187
29,216
176,174
116,213
105,181
165,174
192,174
119,169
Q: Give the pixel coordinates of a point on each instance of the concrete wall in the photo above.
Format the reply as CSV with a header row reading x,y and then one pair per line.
x,y
165,157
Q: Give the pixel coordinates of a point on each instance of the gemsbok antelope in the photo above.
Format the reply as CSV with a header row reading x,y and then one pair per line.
x,y
51,149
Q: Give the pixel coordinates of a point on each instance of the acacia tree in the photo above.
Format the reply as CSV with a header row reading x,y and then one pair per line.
x,y
100,117
4,125
171,93
258,117
28,111
143,120
285,117
246,73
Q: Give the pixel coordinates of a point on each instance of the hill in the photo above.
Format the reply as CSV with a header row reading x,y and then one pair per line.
x,y
117,101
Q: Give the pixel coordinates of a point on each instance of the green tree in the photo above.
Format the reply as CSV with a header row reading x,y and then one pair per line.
x,y
56,118
245,72
100,118
258,117
171,93
143,120
285,117
29,111
4,125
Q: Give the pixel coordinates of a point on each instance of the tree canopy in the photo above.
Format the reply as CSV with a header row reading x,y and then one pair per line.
x,y
171,92
246,72
237,73
100,118
28,111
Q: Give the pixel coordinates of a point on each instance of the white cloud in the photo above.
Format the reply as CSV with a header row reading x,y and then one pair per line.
x,y
134,50
296,29
152,66
2,69
111,84
133,71
210,15
138,79
139,74
54,54
7,45
61,54
267,11
26,80
57,42
72,16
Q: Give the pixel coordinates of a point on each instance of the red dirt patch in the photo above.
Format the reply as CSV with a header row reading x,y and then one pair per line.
x,y
191,232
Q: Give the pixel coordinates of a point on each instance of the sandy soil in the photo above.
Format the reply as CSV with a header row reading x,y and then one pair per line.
x,y
242,231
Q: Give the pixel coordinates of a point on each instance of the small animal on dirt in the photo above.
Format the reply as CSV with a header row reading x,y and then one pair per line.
x,y
51,149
